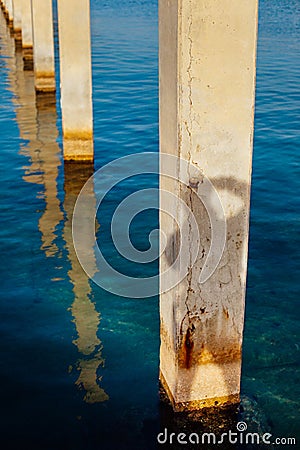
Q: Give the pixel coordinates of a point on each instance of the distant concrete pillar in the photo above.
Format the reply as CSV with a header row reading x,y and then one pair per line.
x,y
27,36
207,85
3,7
76,79
10,10
17,8
7,7
43,45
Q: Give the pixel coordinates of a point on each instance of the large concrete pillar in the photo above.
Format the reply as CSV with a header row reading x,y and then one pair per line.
x,y
17,8
76,79
207,85
27,36
43,45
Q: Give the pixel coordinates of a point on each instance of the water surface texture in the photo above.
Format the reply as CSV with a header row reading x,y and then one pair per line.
x,y
79,366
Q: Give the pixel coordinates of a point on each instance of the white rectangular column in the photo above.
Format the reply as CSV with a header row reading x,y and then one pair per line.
x,y
10,11
17,8
207,85
76,79
7,7
27,34
43,45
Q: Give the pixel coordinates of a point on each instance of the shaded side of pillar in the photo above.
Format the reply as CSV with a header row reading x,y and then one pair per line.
x,y
43,45
76,79
207,85
17,8
27,35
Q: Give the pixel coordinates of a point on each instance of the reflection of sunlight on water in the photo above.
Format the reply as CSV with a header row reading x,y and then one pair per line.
x,y
36,118
86,318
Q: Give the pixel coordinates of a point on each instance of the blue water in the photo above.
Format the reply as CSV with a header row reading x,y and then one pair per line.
x,y
79,366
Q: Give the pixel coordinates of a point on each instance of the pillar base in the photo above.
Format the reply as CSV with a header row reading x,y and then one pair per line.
x,y
192,404
81,150
18,37
28,58
18,34
45,83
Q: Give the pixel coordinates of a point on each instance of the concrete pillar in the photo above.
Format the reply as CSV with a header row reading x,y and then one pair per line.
x,y
43,45
207,85
27,36
76,79
7,8
8,49
4,8
17,8
10,10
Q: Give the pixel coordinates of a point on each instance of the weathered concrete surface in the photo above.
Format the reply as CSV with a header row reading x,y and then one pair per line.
x,y
17,9
27,36
43,45
7,7
76,79
207,85
10,11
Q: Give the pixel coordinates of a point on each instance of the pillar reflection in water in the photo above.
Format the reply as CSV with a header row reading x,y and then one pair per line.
x,y
86,318
36,117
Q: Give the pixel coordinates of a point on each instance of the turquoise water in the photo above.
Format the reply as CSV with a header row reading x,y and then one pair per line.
x,y
79,366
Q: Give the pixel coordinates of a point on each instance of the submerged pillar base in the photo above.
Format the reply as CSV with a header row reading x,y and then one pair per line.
x,y
81,150
45,82
183,399
18,36
28,58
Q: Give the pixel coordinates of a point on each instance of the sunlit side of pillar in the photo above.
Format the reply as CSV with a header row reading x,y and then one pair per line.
x,y
17,9
76,79
27,37
43,45
7,7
